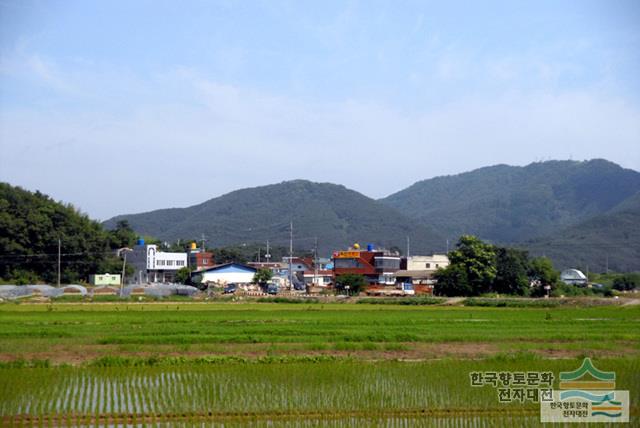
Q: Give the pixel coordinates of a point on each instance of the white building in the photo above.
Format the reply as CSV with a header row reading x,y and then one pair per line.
x,y
227,273
321,278
152,265
427,263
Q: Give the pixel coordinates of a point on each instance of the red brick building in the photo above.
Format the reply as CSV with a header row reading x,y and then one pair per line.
x,y
201,259
378,267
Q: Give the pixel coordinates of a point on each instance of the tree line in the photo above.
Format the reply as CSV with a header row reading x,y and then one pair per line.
x,y
32,224
478,268
34,228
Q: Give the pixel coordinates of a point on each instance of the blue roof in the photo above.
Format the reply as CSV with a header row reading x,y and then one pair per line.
x,y
230,267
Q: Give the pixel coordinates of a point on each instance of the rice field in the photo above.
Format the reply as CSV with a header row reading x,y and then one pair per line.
x,y
307,376
271,391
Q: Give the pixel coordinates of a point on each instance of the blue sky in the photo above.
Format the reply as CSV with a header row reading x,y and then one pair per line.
x,y
127,106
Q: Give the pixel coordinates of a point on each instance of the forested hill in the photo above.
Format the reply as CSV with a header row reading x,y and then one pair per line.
x,y
31,225
337,216
610,240
510,204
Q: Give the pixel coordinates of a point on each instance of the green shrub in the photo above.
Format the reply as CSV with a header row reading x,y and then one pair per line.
x,y
417,301
512,303
287,300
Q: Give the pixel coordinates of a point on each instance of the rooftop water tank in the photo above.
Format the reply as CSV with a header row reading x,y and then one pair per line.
x,y
369,247
140,241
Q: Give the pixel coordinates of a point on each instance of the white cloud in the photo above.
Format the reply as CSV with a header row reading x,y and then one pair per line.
x,y
184,137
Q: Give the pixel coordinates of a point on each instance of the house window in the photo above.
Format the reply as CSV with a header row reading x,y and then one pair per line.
x,y
428,265
205,261
437,265
347,263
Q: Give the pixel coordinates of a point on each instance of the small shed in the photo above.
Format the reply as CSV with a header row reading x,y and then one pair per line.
x,y
573,277
105,279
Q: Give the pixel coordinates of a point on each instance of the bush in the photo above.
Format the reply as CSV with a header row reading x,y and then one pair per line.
x,y
563,289
350,282
511,303
627,282
418,301
285,300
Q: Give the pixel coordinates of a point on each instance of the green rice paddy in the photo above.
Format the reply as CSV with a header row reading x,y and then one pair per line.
x,y
262,364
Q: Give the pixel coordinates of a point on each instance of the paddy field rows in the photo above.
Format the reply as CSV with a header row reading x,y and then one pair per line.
x,y
294,364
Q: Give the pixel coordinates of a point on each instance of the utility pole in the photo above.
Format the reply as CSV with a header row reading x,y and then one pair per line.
x,y
315,263
447,246
59,247
267,255
408,247
259,254
124,264
124,251
203,242
291,255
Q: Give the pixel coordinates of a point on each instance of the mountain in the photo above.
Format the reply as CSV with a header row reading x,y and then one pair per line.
x,y
508,204
607,241
336,215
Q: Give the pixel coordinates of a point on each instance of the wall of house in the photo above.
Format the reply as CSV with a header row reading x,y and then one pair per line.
x,y
227,278
429,263
166,261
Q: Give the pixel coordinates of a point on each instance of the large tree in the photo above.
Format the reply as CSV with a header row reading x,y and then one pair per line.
x,y
542,274
452,281
122,236
478,260
511,272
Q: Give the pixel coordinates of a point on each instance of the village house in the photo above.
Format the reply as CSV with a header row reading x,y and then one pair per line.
x,y
200,259
227,273
420,270
151,265
378,267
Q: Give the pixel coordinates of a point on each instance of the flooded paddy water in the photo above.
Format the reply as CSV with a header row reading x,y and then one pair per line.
x,y
323,394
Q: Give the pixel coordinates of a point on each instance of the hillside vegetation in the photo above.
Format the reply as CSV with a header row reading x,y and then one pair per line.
x,y
608,241
336,215
576,213
31,225
509,204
